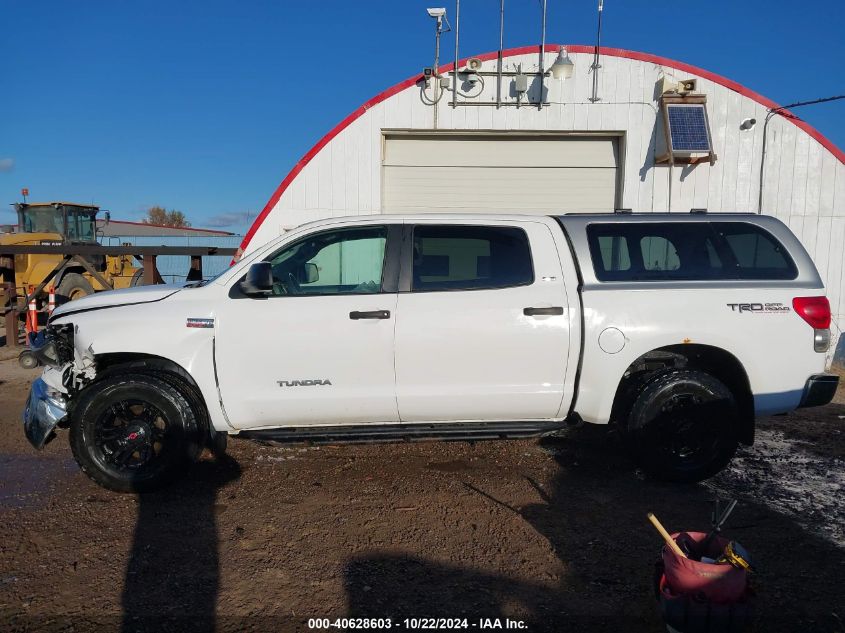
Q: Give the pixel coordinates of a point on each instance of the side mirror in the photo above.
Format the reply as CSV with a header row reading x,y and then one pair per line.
x,y
259,279
310,273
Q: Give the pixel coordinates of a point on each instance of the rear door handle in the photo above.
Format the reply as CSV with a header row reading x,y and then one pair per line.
x,y
555,311
372,314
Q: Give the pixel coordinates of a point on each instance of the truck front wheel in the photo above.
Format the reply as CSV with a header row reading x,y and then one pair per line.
x,y
134,433
683,426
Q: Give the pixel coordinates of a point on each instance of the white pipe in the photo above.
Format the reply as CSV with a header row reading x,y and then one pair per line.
x,y
455,69
542,60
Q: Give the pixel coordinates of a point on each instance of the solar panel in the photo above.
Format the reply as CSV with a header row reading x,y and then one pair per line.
x,y
688,128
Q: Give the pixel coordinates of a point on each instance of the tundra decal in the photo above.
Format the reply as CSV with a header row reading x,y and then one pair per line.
x,y
303,383
757,308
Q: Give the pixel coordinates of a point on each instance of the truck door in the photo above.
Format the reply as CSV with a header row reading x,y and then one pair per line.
x,y
319,350
482,329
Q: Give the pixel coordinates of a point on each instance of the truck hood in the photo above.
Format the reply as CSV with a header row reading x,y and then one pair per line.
x,y
115,298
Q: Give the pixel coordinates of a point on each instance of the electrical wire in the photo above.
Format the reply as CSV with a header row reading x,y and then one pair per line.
x,y
797,104
424,96
430,101
477,94
781,110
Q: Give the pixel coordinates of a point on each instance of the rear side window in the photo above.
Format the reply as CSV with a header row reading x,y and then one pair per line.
x,y
687,251
470,258
756,250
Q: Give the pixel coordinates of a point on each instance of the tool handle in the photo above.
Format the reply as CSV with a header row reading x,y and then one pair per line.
x,y
721,520
669,540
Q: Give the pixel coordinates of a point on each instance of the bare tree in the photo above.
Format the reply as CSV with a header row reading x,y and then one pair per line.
x,y
161,216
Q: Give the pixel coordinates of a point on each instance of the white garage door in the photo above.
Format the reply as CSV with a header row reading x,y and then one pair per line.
x,y
441,173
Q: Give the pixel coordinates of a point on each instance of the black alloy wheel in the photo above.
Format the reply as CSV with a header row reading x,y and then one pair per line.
x,y
683,426
135,432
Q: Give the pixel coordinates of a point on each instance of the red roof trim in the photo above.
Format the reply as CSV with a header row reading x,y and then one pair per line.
x,y
175,228
524,50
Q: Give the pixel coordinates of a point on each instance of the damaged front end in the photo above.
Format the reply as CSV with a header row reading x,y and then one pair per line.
x,y
46,408
66,372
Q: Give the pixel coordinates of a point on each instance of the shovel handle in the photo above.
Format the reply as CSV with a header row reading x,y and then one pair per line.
x,y
669,540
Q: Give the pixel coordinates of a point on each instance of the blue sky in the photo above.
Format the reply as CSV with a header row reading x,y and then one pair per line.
x,y
205,106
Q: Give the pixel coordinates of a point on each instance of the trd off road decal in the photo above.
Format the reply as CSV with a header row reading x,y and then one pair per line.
x,y
758,308
303,383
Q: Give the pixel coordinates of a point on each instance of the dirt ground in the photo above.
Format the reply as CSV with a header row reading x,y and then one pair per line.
x,y
552,533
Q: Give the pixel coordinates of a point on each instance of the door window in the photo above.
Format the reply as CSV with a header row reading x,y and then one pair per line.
x,y
470,258
344,261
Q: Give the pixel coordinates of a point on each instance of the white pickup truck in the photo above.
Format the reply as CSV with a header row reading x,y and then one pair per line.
x,y
679,329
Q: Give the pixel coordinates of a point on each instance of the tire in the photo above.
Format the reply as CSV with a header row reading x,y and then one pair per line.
x,y
27,360
137,278
683,426
134,433
215,441
73,286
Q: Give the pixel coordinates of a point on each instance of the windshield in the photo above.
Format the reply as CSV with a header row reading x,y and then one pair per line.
x,y
41,220
81,225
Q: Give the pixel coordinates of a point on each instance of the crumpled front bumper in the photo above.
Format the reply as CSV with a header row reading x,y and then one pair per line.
x,y
43,412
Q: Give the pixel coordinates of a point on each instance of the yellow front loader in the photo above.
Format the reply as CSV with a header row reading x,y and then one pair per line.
x,y
56,224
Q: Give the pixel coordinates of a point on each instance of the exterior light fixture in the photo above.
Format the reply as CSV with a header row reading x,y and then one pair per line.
x,y
471,70
747,124
563,68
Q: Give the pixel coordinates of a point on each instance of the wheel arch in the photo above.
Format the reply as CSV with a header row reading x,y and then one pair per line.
x,y
57,280
108,364
41,269
716,361
139,360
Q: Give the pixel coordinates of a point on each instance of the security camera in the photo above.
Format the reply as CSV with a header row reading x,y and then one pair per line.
x,y
436,12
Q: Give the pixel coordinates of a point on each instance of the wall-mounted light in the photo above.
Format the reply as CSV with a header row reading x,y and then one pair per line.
x,y
563,68
747,124
471,70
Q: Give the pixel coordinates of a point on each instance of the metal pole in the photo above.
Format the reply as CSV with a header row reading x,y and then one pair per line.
x,y
437,29
455,69
769,115
596,57
499,56
542,60
11,318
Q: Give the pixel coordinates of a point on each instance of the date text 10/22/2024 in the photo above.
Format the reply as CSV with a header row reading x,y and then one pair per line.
x,y
414,624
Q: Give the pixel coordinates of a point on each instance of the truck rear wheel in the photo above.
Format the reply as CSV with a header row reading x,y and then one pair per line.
x,y
73,286
134,433
683,426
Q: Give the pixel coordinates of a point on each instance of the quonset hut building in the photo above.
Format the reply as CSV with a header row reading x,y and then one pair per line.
x,y
645,133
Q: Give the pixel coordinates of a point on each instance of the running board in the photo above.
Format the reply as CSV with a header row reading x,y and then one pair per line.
x,y
368,433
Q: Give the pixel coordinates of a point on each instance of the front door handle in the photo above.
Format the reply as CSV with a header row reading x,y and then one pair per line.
x,y
554,311
373,314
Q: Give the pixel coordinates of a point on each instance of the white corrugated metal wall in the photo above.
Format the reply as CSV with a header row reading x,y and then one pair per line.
x,y
804,182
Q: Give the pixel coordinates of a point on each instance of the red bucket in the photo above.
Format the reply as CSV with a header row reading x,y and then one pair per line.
x,y
708,581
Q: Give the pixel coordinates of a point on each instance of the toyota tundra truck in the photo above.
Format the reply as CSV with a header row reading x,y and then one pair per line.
x,y
677,329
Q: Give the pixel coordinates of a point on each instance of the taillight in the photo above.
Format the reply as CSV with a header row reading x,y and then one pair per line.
x,y
814,310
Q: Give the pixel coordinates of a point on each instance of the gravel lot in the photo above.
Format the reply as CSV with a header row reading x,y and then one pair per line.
x,y
550,532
